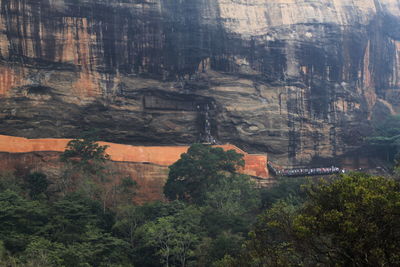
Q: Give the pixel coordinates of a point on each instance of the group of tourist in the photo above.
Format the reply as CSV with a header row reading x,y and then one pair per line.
x,y
305,171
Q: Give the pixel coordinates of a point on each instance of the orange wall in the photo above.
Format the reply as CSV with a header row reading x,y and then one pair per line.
x,y
255,165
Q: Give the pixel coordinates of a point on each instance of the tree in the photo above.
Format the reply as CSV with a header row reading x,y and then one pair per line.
x,y
85,154
121,193
357,218
78,232
20,219
132,224
37,184
197,170
206,177
84,166
234,195
9,181
283,189
230,204
129,219
224,244
87,171
273,239
352,221
385,138
69,218
175,237
42,252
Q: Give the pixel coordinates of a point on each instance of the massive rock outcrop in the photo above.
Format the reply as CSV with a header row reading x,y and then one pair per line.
x,y
299,79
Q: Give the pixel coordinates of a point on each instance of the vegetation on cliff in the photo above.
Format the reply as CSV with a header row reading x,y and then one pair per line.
x,y
386,136
385,141
214,217
199,170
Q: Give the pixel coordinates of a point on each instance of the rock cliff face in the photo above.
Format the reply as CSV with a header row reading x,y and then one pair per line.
x,y
299,79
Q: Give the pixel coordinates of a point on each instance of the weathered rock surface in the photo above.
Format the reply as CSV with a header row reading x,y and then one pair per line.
x,y
299,79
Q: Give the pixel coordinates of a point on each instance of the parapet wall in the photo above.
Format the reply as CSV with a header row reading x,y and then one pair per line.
x,y
255,165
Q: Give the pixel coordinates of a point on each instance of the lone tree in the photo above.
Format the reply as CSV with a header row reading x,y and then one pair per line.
x,y
86,154
197,170
85,166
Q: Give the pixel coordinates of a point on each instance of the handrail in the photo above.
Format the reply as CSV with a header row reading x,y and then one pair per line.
x,y
303,171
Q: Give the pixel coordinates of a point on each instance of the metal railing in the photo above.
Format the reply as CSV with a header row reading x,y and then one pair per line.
x,y
303,171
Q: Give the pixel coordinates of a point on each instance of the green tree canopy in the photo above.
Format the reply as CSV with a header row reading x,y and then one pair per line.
x,y
230,204
20,219
85,153
386,138
174,237
192,175
37,183
353,221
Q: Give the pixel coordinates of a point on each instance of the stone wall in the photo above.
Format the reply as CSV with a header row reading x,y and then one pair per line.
x,y
148,166
255,165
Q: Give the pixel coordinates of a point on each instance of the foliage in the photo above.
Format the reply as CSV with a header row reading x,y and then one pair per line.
x,y
70,217
85,167
37,184
182,234
87,172
197,170
230,204
128,220
175,237
271,240
206,177
121,193
224,244
362,214
42,252
285,188
20,219
352,221
386,138
70,232
211,219
85,154
9,181
232,195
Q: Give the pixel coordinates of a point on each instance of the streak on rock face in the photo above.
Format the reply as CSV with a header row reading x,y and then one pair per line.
x,y
299,79
10,78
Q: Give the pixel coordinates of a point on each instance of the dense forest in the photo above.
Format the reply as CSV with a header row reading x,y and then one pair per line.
x,y
213,217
